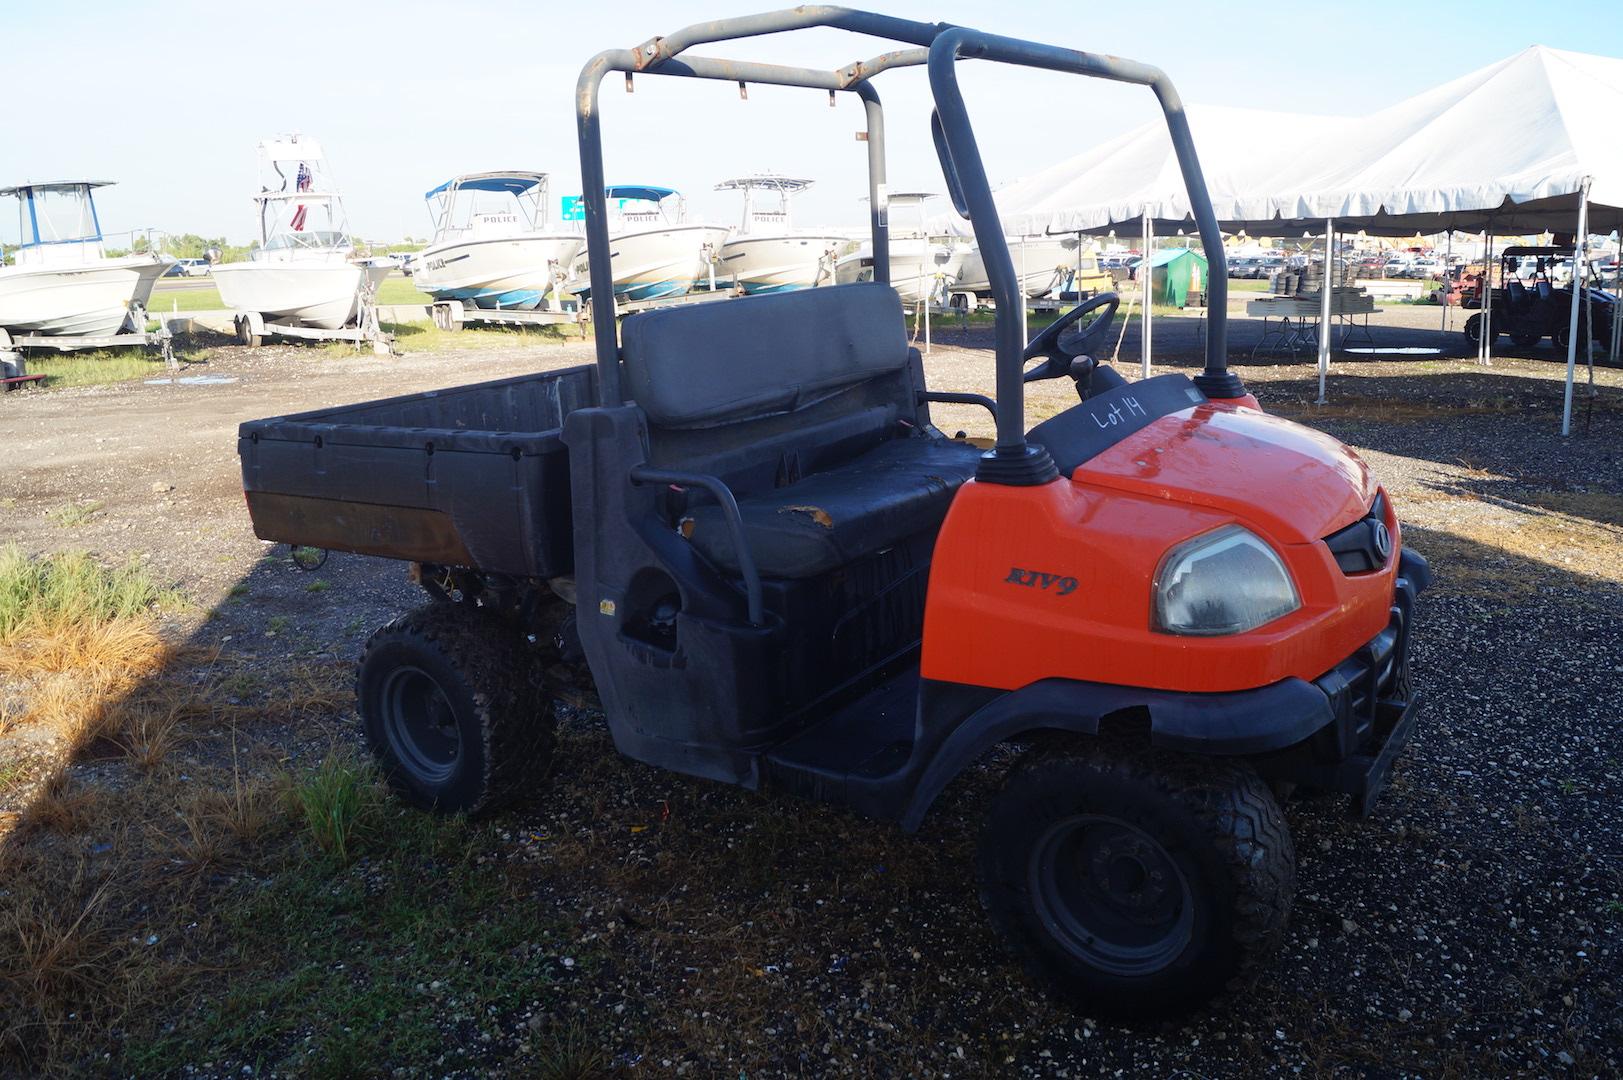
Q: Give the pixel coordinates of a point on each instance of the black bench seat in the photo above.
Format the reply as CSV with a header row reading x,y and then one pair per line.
x,y
834,517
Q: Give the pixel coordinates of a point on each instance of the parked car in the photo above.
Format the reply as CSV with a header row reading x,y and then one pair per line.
x,y
188,268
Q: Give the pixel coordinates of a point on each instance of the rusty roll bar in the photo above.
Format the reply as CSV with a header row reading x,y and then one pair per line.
x,y
940,46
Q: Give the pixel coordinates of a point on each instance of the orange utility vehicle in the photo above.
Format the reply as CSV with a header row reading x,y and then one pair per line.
x,y
741,526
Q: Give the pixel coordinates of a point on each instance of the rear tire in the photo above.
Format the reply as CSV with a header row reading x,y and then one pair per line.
x,y
1473,330
454,710
1138,884
245,333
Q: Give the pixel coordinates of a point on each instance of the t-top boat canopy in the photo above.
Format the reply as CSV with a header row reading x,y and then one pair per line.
x,y
939,46
640,192
784,187
511,183
458,211
766,182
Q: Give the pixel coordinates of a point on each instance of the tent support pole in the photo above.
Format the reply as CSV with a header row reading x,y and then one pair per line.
x,y
1147,273
1578,256
1485,347
1326,291
1448,281
1615,343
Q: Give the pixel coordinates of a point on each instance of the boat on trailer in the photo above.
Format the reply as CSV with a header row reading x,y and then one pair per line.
x,y
922,268
304,272
766,253
492,247
60,281
655,252
1044,265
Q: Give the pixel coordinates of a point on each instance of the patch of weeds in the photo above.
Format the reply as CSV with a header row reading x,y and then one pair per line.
x,y
336,800
277,624
55,592
74,514
317,586
8,503
574,1053
238,590
353,971
10,773
1613,907
102,366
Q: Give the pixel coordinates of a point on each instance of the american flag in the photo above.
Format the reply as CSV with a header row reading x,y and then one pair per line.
x,y
302,183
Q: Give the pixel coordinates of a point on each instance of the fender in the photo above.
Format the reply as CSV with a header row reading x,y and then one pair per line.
x,y
1225,724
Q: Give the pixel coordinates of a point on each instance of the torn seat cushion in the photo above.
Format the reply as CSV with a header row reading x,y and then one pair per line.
x,y
834,517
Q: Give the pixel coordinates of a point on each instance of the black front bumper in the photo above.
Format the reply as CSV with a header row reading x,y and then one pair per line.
x,y
1372,708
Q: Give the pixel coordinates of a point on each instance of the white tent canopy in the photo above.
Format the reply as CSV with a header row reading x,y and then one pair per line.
x,y
1524,145
1506,148
1137,173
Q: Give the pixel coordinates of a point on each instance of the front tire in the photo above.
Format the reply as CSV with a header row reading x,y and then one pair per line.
x,y
1139,884
453,709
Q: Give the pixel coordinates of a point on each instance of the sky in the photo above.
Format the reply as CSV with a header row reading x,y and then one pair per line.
x,y
169,97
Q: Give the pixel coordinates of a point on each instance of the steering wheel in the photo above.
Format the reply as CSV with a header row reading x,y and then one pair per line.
x,y
1060,357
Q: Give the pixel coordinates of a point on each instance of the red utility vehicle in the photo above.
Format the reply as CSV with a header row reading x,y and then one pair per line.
x,y
743,529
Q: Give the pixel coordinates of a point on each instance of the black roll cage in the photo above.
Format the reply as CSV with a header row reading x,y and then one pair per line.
x,y
940,46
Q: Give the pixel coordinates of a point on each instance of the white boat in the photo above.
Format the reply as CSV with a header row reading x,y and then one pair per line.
x,y
655,252
492,248
1044,264
61,281
304,271
766,253
921,268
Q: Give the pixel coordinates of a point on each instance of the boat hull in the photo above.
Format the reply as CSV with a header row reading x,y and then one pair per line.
x,y
650,264
510,273
89,300
768,264
918,272
325,295
1042,263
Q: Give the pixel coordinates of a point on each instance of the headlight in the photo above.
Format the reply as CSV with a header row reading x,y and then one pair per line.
x,y
1225,582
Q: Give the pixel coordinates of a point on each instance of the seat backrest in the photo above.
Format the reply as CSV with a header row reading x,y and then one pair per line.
x,y
716,363
1517,292
1545,290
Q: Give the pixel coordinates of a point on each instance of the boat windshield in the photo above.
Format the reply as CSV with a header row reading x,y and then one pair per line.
x,y
314,240
56,215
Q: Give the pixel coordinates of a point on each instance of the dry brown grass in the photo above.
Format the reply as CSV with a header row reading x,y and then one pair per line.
x,y
248,811
63,805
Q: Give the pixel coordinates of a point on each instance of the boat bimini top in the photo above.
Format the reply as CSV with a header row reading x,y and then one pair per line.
x,y
939,47
456,215
510,182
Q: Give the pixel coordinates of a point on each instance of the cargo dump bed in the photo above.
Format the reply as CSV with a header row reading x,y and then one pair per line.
x,y
472,476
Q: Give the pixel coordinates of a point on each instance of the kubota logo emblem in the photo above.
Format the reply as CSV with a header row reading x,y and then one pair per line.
x,y
1060,584
1383,540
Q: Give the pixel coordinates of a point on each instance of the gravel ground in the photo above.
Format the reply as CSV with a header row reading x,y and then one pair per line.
x,y
1471,927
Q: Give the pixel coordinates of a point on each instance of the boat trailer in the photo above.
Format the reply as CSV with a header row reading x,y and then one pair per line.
x,y
252,328
14,370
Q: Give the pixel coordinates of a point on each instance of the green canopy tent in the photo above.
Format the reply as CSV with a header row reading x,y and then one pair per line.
x,y
1175,273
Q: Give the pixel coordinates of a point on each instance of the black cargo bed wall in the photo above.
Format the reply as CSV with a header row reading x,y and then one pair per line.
x,y
413,478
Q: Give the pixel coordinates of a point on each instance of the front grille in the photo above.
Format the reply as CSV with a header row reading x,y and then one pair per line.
x,y
1366,544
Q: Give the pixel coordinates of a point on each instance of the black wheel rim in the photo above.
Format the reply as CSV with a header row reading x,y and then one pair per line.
x,y
1110,895
420,725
